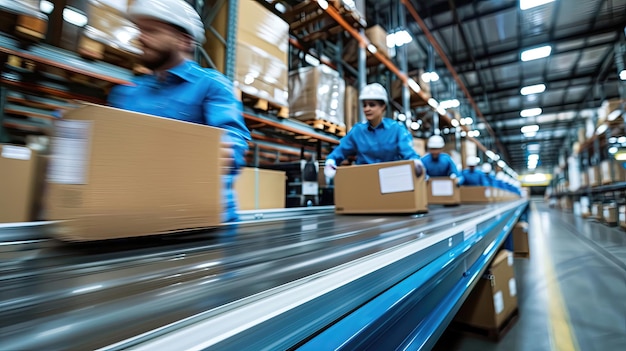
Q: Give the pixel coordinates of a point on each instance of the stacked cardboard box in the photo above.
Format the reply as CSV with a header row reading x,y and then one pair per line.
x,y
594,176
24,18
609,214
109,35
377,35
612,171
493,301
20,186
315,93
261,67
622,216
115,174
389,187
260,189
596,211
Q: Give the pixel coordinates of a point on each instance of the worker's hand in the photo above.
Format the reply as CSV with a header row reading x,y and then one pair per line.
x,y
330,169
454,178
419,168
227,157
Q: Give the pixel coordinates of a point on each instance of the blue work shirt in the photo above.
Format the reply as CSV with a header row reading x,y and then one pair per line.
x,y
388,141
193,94
474,178
442,167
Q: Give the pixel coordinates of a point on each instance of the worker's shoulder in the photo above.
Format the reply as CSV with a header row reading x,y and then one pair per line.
x,y
209,74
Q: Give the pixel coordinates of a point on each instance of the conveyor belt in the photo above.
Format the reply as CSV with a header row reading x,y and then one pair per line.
x,y
90,295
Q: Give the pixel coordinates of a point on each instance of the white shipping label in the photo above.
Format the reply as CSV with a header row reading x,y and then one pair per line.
x,y
488,192
16,152
396,179
498,302
70,152
512,287
310,188
509,260
468,233
442,188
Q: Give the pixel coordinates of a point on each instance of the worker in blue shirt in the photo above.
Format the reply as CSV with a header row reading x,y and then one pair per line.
x,y
488,172
438,163
473,176
179,88
375,140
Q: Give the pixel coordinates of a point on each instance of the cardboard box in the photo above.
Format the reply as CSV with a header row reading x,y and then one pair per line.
x,y
260,189
609,214
494,298
521,247
377,35
19,169
622,216
584,181
443,191
612,171
315,93
596,211
594,176
476,194
261,67
389,187
115,174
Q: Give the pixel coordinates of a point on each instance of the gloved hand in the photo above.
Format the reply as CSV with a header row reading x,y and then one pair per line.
x,y
454,178
330,169
419,168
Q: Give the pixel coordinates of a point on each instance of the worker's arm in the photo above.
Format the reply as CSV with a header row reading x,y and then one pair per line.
x,y
223,110
405,146
345,149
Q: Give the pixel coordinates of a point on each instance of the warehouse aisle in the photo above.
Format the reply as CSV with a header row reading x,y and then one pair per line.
x,y
571,289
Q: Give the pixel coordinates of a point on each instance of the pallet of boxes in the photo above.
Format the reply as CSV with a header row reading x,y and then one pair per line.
x,y
261,55
521,247
24,18
491,309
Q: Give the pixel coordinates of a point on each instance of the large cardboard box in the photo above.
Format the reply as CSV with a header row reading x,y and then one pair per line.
x,y
261,57
115,173
494,298
443,191
596,211
260,189
476,194
316,93
612,171
622,216
609,214
18,178
521,247
594,176
389,187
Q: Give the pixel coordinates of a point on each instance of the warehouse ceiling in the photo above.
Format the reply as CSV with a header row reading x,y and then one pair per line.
x,y
483,40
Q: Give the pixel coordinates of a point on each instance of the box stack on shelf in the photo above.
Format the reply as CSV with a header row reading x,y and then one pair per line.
x,y
23,19
315,97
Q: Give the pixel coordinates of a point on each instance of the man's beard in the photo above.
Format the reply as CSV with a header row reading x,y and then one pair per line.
x,y
160,59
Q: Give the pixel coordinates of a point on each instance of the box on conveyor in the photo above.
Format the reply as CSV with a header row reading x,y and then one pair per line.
x,y
261,67
389,187
115,173
476,194
521,247
494,298
443,191
316,93
260,189
21,172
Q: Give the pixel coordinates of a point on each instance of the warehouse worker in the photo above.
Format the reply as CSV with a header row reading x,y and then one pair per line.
x,y
376,140
179,88
472,176
487,171
438,163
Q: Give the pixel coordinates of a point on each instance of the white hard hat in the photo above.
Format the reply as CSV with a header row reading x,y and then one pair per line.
x,y
486,168
471,161
436,142
176,12
374,91
500,176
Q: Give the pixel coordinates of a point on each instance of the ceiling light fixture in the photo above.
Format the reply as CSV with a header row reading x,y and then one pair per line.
x,y
450,103
398,38
622,74
73,16
430,77
536,53
413,85
533,89
530,129
531,112
529,4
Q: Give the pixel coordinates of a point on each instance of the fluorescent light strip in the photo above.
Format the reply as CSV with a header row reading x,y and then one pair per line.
x,y
530,129
529,4
536,53
531,112
533,89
